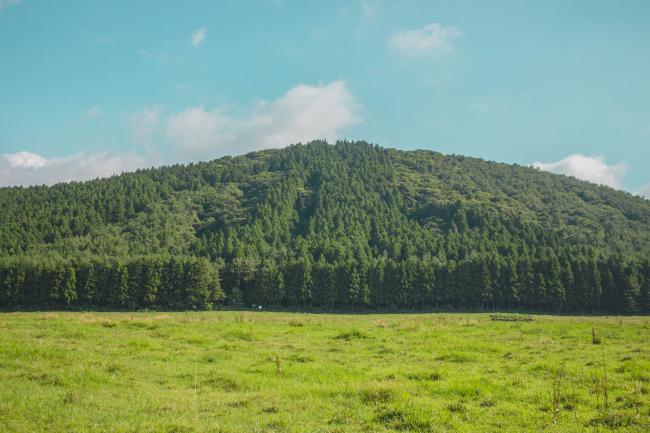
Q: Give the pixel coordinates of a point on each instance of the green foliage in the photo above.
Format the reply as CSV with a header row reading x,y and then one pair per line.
x,y
349,225
137,282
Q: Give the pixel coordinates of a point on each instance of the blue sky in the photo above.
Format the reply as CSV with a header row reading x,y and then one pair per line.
x,y
89,88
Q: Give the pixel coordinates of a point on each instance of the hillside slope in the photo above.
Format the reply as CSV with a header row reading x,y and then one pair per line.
x,y
332,226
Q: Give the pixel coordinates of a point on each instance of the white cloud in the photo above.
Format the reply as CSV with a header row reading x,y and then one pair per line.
x,y
23,160
92,113
198,36
302,114
4,3
369,9
144,124
644,191
25,168
593,169
196,129
431,40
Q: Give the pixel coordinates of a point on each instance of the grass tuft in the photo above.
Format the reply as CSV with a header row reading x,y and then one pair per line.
x,y
353,334
403,420
378,394
223,382
500,317
424,377
595,339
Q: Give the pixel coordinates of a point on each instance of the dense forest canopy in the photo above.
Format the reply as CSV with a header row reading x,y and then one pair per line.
x,y
350,225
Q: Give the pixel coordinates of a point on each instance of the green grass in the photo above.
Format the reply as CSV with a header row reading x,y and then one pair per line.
x,y
291,372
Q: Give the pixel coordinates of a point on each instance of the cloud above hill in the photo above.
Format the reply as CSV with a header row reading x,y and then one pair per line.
x,y
644,191
26,168
303,113
590,168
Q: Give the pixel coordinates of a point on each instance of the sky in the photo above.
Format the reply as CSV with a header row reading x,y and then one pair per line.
x,y
93,88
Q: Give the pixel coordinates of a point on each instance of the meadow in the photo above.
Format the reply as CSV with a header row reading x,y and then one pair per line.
x,y
293,372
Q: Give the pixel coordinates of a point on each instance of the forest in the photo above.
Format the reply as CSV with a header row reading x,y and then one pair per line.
x,y
345,226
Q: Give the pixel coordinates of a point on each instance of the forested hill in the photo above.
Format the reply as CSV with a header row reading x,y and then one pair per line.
x,y
350,225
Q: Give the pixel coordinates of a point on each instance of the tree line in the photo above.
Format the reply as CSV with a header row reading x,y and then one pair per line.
x,y
140,282
478,282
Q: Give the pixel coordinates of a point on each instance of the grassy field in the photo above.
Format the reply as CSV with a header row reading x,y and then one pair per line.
x,y
291,372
